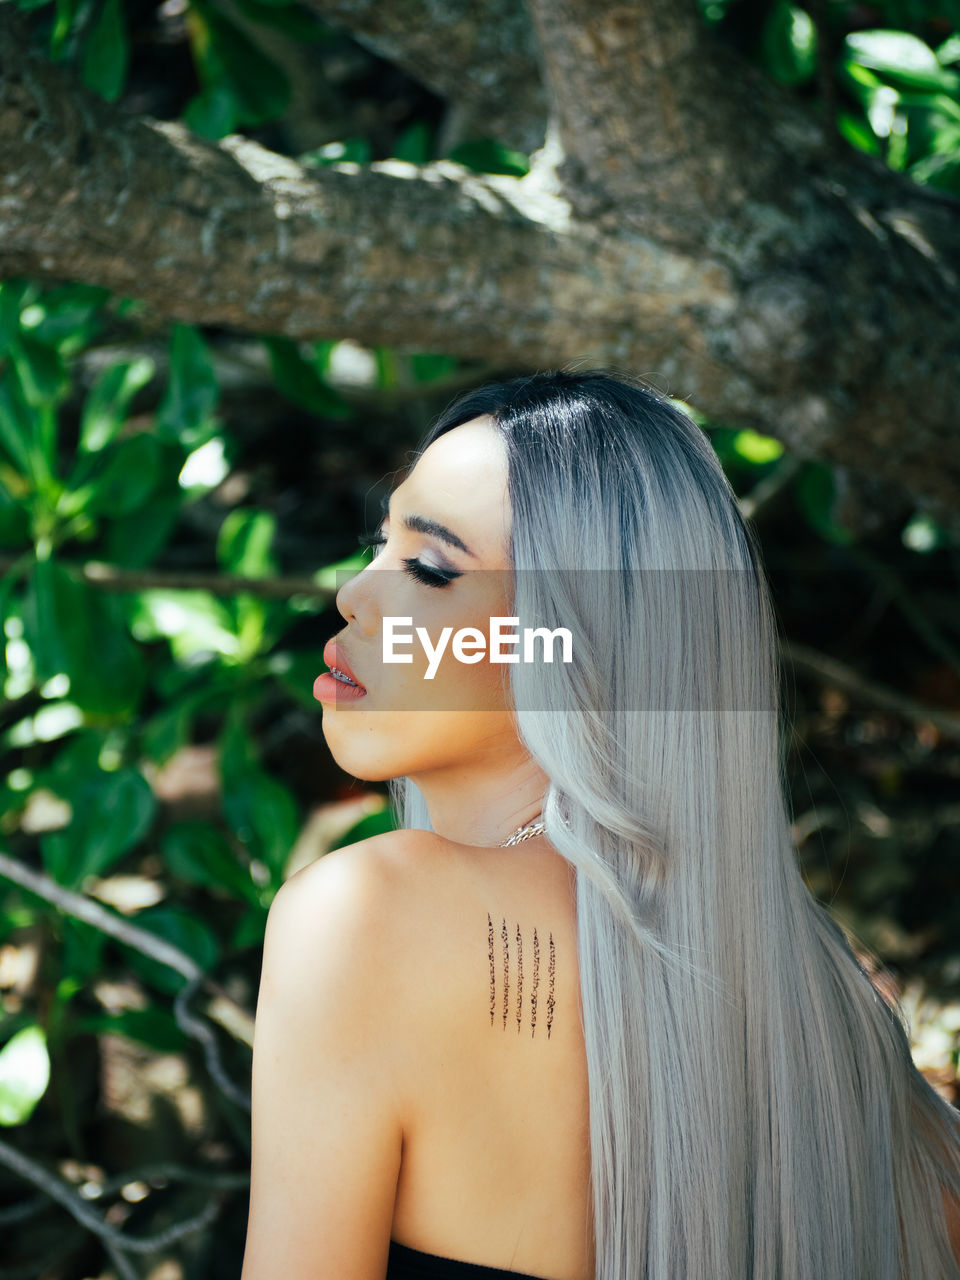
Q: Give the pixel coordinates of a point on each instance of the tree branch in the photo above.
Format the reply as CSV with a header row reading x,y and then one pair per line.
x,y
485,59
794,307
232,234
659,120
111,577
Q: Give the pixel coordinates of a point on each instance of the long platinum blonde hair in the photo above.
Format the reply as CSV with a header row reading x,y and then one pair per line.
x,y
755,1113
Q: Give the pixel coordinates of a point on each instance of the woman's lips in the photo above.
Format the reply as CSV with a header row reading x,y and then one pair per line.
x,y
327,687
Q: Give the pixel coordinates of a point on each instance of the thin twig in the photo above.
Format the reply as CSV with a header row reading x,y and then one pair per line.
x,y
98,917
110,577
838,673
77,1207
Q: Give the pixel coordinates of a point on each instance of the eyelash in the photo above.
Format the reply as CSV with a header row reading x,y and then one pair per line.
x,y
429,577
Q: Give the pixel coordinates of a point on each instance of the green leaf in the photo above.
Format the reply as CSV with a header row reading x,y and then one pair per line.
x,y
40,371
182,930
186,410
16,424
901,59
83,948
24,1074
756,448
14,522
939,171
134,540
259,808
199,854
227,59
213,113
168,731
155,1028
858,133
105,408
789,44
106,52
244,542
816,492
73,628
67,317
415,143
250,930
128,477
13,299
299,381
112,812
296,672
7,587
426,367
195,622
485,155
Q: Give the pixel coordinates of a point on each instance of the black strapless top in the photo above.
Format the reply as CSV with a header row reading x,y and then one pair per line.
x,y
404,1263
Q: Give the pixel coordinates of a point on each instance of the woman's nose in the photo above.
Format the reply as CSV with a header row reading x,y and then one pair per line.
x,y
356,600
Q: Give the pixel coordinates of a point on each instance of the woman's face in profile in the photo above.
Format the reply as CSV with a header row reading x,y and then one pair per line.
x,y
453,573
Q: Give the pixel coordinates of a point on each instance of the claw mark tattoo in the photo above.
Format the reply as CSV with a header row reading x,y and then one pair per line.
x,y
534,991
493,976
506,969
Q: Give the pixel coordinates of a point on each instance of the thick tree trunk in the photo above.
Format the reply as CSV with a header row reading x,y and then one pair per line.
x,y
686,222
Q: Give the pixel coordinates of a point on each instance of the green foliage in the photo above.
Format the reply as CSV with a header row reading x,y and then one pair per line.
x,y
241,84
301,382
260,809
106,52
111,812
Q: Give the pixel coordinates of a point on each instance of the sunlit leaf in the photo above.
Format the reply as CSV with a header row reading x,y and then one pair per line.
x,y
73,628
244,542
194,622
105,407
902,59
24,1074
789,44
858,133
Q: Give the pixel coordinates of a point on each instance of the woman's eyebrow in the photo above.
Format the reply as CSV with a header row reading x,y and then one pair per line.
x,y
420,524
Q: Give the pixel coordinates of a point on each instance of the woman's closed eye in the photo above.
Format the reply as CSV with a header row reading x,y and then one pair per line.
x,y
430,575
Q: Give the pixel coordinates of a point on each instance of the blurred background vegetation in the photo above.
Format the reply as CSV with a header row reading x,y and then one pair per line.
x,y
175,504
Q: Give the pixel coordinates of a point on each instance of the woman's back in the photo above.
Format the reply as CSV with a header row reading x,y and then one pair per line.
x,y
495,1163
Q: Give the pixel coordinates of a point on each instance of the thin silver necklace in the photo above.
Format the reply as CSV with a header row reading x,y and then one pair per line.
x,y
532,828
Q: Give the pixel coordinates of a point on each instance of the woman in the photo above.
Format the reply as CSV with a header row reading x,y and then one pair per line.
x,y
579,1017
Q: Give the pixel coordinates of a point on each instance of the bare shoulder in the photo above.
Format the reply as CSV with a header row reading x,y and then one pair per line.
x,y
355,911
365,875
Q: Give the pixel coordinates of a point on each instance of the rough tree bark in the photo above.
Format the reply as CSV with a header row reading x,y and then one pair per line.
x,y
686,220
